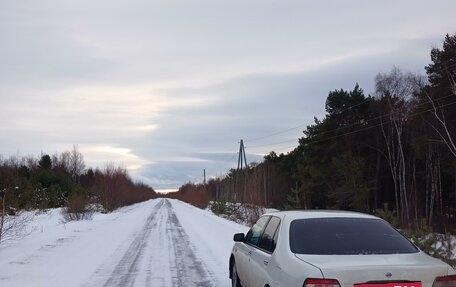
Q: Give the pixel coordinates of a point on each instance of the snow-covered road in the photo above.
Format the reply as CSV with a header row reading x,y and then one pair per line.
x,y
161,242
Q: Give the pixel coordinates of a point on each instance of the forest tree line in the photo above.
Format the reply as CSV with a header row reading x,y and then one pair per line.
x,y
63,180
393,151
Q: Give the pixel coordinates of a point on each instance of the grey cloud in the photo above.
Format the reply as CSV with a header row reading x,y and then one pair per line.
x,y
261,66
257,105
172,174
90,41
272,101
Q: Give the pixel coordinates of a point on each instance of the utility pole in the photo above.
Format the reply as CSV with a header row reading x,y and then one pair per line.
x,y
242,162
217,188
242,158
204,180
204,177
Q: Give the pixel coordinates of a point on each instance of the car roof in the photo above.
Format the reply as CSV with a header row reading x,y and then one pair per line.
x,y
304,214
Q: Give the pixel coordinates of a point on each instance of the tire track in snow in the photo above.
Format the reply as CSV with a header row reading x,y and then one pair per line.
x,y
159,258
125,271
190,270
161,254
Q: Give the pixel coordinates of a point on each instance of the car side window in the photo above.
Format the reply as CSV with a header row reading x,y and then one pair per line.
x,y
269,238
254,233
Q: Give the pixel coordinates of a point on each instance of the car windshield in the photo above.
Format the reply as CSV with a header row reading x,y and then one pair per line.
x,y
343,236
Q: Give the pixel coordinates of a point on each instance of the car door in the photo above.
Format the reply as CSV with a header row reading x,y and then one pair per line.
x,y
261,256
246,249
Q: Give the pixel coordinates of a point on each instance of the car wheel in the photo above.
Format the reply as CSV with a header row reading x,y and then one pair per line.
x,y
235,282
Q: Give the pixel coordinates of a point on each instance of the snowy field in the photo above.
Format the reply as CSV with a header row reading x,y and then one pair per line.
x,y
160,242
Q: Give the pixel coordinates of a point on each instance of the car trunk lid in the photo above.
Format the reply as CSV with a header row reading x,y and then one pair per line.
x,y
358,269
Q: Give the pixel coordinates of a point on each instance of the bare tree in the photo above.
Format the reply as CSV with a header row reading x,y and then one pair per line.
x,y
396,89
76,164
71,162
12,226
2,220
442,127
63,161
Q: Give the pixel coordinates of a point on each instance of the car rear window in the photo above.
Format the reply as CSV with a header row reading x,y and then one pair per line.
x,y
342,236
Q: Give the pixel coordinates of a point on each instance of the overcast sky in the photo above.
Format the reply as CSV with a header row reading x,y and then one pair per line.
x,y
168,88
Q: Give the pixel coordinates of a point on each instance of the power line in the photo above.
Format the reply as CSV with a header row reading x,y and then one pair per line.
x,y
277,133
381,116
344,110
376,125
379,124
349,126
305,124
344,127
373,126
271,144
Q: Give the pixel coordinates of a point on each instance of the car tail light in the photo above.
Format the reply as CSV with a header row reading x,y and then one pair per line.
x,y
317,282
445,281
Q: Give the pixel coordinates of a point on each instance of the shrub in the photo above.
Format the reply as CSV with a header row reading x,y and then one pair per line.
x,y
253,213
14,227
241,213
77,208
387,214
218,207
435,244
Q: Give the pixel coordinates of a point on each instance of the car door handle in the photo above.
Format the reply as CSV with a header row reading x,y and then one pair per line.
x,y
265,263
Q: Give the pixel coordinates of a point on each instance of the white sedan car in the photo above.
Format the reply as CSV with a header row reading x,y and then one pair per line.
x,y
331,249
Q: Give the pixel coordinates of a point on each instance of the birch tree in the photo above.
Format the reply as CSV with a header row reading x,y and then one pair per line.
x,y
396,90
441,92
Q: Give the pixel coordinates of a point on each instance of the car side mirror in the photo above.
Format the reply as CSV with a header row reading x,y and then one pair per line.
x,y
239,237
